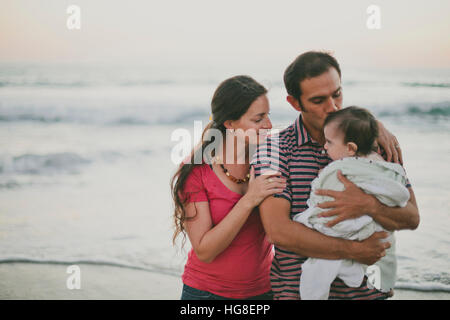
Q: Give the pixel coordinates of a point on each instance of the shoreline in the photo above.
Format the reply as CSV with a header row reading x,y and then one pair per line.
x,y
32,281
40,281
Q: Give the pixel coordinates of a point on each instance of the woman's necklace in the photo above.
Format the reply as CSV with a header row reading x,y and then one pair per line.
x,y
234,179
231,177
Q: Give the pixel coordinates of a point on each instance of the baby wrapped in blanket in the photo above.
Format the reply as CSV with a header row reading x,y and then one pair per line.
x,y
355,158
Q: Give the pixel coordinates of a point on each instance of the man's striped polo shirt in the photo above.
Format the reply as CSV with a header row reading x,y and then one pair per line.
x,y
299,158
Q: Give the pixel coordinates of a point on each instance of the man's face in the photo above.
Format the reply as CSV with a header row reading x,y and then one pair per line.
x,y
321,95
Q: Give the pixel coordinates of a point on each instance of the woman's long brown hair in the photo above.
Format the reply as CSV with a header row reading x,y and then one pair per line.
x,y
230,101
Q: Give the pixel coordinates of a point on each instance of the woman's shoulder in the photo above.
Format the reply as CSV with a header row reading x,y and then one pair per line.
x,y
199,171
195,182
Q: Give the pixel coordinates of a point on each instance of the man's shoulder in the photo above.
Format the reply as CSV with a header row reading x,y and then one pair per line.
x,y
284,138
278,145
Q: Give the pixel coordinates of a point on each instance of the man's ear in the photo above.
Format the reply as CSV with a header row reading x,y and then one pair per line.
x,y
294,103
352,148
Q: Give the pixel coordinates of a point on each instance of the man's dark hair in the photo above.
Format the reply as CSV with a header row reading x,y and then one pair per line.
x,y
358,126
307,65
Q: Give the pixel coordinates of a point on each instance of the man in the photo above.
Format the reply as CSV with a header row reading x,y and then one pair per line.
x,y
313,83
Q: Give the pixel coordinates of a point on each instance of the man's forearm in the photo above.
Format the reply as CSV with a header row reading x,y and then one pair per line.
x,y
309,243
396,218
296,237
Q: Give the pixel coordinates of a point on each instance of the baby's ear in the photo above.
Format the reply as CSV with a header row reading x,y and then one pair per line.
x,y
352,148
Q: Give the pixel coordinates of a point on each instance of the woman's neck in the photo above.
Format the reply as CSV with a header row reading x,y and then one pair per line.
x,y
233,155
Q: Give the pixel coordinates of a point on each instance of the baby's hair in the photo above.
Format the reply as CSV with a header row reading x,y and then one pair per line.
x,y
358,126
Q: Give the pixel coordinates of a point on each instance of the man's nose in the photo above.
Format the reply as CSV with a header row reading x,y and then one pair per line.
x,y
331,105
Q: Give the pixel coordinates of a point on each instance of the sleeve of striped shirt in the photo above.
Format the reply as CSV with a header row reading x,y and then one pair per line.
x,y
383,153
268,157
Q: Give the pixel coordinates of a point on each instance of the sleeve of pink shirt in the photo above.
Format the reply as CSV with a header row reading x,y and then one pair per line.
x,y
194,190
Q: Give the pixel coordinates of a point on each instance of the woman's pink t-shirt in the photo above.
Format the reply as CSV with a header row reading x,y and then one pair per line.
x,y
243,269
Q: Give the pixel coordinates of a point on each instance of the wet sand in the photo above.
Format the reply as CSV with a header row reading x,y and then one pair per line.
x,y
47,281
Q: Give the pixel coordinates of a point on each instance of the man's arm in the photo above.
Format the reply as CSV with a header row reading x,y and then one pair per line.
x,y
390,144
296,237
345,206
396,218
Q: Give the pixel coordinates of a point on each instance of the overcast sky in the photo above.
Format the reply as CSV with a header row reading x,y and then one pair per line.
x,y
412,34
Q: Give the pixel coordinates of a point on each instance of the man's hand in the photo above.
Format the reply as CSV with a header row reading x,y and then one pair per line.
x,y
390,144
348,204
296,237
370,250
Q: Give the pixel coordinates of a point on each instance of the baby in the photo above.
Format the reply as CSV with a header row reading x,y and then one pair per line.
x,y
350,136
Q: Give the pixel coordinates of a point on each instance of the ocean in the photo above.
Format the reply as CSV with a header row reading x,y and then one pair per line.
x,y
85,159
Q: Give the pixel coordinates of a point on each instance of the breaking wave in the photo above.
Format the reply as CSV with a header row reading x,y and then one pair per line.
x,y
36,164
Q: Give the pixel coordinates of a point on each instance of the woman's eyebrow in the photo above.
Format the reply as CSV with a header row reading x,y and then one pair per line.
x,y
260,114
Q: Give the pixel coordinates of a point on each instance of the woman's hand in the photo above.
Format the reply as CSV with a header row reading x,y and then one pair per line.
x,y
263,186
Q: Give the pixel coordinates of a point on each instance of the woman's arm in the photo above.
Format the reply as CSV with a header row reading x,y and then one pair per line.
x,y
207,240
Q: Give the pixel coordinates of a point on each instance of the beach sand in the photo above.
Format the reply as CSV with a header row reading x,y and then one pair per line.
x,y
48,281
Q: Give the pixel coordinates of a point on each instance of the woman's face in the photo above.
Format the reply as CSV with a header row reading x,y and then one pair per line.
x,y
255,123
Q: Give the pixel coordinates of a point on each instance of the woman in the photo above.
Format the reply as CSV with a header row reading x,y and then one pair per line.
x,y
216,203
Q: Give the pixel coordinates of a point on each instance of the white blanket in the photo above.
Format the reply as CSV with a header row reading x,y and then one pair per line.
x,y
384,180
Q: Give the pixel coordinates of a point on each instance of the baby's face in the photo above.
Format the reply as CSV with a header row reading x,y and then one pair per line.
x,y
334,143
